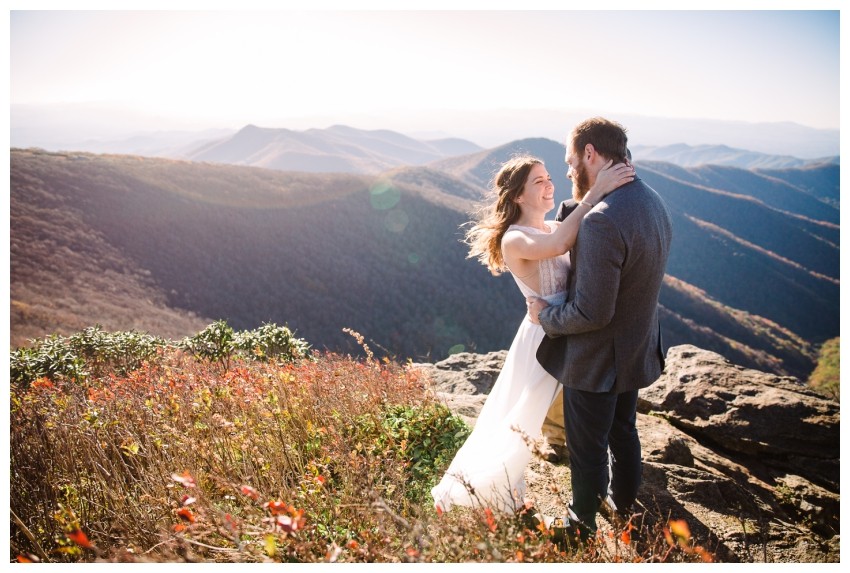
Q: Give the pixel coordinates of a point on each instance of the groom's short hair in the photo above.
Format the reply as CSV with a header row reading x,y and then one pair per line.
x,y
607,137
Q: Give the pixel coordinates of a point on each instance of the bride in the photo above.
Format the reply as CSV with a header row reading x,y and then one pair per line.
x,y
513,235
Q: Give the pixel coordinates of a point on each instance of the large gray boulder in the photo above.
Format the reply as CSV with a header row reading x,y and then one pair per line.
x,y
464,380
775,419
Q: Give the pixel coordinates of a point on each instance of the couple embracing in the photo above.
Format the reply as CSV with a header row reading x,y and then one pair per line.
x,y
591,281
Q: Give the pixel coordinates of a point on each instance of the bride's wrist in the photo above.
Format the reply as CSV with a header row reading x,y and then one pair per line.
x,y
590,200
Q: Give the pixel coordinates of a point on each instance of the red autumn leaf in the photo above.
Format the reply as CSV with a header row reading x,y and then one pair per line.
x,y
80,538
250,492
286,523
26,559
704,555
276,507
626,537
186,514
439,511
185,478
42,382
178,527
231,522
491,522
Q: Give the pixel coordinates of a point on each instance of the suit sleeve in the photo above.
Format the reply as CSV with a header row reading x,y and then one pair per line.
x,y
599,264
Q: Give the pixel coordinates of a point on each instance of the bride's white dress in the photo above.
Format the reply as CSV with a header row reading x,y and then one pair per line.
x,y
488,469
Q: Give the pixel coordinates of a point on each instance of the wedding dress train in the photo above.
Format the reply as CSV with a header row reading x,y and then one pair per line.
x,y
488,469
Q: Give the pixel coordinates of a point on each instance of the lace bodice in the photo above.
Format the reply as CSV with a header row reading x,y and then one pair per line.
x,y
553,273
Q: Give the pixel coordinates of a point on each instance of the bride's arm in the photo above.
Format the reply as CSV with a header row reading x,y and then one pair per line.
x,y
543,246
609,178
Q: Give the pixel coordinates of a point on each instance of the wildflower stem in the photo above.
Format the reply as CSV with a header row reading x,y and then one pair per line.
x,y
29,535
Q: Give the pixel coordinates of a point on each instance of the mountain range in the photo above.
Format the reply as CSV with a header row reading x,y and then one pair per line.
x,y
346,149
335,149
697,155
168,245
105,129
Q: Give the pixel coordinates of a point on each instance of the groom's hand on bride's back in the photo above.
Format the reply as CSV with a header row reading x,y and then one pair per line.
x,y
535,305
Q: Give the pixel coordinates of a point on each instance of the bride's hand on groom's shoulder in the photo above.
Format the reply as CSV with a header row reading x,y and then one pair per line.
x,y
609,178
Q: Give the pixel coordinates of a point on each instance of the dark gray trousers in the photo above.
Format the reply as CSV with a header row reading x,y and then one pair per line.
x,y
604,451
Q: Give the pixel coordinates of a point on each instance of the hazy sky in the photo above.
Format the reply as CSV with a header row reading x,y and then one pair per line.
x,y
229,68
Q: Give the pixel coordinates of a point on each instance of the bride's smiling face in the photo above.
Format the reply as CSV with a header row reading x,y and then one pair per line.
x,y
538,193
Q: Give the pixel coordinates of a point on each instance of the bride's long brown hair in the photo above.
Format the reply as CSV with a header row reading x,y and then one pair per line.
x,y
494,218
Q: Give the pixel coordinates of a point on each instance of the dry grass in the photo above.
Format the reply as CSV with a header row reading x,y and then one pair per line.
x,y
329,459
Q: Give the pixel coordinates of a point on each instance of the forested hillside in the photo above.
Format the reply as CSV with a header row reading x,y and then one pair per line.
x,y
167,246
823,181
316,252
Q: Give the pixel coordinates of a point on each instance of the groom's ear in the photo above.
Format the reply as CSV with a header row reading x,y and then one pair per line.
x,y
593,157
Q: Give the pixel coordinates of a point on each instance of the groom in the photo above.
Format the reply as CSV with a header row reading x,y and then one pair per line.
x,y
604,343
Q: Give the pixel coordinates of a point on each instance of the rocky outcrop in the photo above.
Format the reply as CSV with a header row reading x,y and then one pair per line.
x,y
774,419
750,460
464,380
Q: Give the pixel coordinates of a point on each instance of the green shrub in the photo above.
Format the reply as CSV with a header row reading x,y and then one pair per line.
x,y
50,357
271,342
218,343
214,343
81,355
93,352
425,437
120,352
826,377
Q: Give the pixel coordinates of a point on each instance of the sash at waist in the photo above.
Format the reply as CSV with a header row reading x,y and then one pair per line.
x,y
556,299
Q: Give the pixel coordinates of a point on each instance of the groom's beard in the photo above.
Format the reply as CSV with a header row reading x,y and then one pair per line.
x,y
581,181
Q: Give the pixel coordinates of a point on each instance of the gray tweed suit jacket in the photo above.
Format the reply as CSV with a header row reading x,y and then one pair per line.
x,y
606,336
